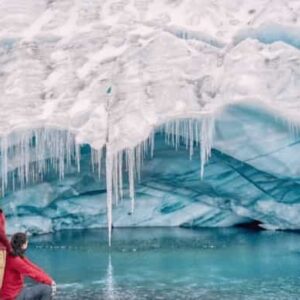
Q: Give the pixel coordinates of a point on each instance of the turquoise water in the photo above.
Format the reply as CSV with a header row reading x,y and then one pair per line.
x,y
171,263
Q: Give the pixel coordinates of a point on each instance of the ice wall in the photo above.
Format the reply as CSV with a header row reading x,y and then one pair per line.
x,y
253,179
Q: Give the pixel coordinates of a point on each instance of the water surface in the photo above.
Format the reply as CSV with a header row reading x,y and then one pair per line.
x,y
171,263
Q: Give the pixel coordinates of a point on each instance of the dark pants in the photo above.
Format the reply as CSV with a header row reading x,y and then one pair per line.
x,y
36,292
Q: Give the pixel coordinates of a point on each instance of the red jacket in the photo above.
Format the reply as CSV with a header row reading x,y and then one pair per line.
x,y
4,242
15,270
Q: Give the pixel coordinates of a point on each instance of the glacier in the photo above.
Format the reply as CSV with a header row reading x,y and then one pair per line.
x,y
149,113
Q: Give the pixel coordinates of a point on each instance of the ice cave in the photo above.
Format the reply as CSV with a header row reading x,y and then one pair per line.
x,y
244,170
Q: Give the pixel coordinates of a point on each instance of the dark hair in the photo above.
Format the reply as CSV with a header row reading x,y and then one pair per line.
x,y
17,241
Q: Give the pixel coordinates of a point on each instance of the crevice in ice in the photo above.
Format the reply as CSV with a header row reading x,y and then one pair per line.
x,y
252,224
271,152
270,33
238,170
186,34
266,33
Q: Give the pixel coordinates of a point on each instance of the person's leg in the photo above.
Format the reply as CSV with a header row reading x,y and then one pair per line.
x,y
46,292
21,296
36,292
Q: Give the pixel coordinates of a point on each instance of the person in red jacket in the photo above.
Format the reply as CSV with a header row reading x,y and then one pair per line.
x,y
4,246
17,267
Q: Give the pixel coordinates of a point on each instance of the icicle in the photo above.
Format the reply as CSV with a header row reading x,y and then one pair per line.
x,y
109,187
39,151
166,133
99,160
142,154
152,144
96,161
13,181
77,156
126,162
197,133
33,153
207,133
24,160
120,171
69,147
61,156
294,129
4,168
173,134
115,178
93,160
138,162
186,134
130,156
145,148
191,139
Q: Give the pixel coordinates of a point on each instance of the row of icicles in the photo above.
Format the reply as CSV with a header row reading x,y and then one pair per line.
x,y
28,156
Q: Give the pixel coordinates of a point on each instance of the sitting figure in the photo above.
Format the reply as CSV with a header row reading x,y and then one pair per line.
x,y
17,267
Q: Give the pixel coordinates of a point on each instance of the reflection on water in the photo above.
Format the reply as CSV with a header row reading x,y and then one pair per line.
x,y
109,289
171,264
